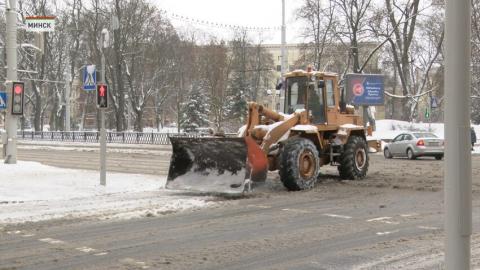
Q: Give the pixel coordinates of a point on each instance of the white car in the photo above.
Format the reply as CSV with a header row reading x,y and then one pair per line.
x,y
415,144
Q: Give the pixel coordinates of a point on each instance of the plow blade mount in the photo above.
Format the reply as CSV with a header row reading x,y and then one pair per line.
x,y
210,164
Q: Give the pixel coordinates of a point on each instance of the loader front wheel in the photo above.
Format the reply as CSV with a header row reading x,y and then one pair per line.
x,y
299,165
354,159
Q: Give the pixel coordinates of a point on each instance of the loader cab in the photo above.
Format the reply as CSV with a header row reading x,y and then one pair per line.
x,y
310,91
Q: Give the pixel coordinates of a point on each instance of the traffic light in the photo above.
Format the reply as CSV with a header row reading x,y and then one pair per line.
x,y
102,96
18,92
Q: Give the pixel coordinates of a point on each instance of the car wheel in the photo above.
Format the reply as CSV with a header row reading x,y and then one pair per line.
x,y
439,157
387,154
410,154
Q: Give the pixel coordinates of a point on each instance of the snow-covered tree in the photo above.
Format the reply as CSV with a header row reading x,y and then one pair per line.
x,y
195,110
237,100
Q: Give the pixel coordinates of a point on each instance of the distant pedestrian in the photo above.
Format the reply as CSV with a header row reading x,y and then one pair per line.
x,y
473,137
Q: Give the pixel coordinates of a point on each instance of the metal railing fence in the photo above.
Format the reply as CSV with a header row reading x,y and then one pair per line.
x,y
112,137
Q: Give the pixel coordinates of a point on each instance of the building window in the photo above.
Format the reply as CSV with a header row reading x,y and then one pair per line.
x,y
279,68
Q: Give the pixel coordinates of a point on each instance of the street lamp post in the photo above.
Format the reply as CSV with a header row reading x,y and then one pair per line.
x,y
284,57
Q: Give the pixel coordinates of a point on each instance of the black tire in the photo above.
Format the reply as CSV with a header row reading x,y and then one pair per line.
x,y
439,157
410,154
291,175
354,159
387,154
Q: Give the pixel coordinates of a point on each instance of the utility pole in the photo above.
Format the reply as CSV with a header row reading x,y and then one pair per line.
x,y
11,49
284,57
67,101
458,158
103,133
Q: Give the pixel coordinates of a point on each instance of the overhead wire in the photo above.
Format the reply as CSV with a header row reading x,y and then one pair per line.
x,y
219,25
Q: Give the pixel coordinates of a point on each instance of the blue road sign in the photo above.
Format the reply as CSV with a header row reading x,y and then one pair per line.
x,y
365,89
89,78
3,100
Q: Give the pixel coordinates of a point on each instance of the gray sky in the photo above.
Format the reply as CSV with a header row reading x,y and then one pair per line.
x,y
249,13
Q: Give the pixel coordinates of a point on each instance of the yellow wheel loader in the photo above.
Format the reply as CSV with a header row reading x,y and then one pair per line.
x,y
316,128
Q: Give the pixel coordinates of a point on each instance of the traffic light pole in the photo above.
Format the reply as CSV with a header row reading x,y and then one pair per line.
x,y
67,101
11,50
458,159
284,57
103,133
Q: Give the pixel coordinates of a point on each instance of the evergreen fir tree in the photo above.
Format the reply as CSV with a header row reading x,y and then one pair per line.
x,y
195,111
237,105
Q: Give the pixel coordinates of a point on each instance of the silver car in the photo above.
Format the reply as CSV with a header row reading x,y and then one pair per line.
x,y
415,144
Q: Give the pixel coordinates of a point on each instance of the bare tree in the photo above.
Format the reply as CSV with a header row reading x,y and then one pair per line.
x,y
319,30
355,27
413,57
214,66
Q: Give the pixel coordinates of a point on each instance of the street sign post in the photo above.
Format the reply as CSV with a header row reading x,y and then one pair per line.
x,y
40,23
89,78
3,100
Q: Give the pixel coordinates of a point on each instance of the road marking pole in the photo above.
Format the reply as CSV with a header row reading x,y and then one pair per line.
x,y
458,159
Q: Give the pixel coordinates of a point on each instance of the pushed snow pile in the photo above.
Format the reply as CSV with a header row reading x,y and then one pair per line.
x,y
389,129
30,191
32,181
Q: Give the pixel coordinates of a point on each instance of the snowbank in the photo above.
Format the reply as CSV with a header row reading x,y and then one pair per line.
x,y
387,130
30,191
31,181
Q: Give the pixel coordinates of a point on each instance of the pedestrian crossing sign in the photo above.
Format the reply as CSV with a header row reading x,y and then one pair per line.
x,y
3,100
89,78
434,103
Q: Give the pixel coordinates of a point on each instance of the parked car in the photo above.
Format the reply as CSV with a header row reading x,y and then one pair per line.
x,y
415,144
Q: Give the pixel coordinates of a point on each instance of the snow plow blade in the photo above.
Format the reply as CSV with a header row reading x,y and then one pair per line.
x,y
211,164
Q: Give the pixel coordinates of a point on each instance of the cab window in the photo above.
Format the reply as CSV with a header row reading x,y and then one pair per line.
x,y
316,104
296,91
330,93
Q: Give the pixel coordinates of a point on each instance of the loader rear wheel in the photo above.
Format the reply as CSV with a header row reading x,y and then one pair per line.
x,y
299,167
354,159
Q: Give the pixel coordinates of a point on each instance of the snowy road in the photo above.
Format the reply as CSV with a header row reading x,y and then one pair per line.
x,y
152,160
335,226
391,220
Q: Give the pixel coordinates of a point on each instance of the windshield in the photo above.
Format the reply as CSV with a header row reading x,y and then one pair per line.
x,y
296,89
424,135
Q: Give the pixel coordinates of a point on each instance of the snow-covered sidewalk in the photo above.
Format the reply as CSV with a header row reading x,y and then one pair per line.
x,y
30,191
